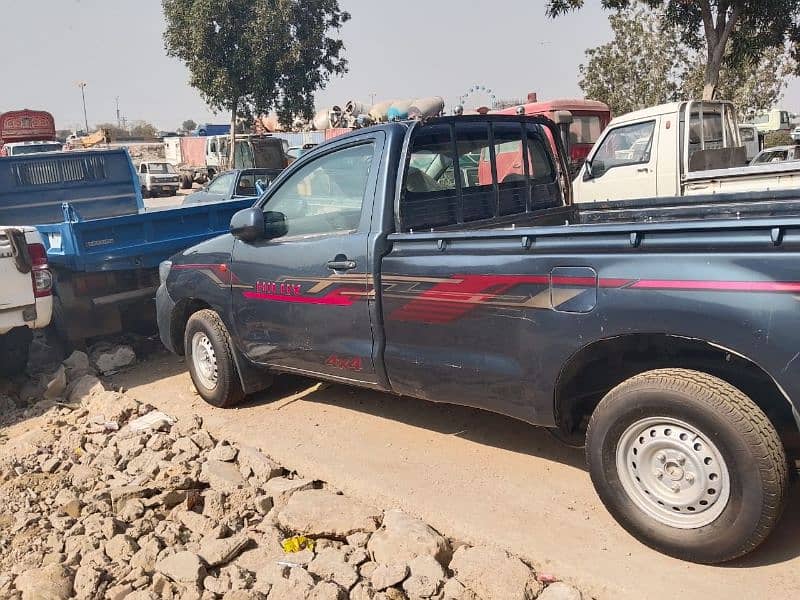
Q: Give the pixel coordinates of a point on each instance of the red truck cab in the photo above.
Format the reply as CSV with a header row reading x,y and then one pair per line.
x,y
20,126
589,119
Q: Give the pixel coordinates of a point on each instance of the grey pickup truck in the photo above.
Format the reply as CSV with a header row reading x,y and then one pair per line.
x,y
444,260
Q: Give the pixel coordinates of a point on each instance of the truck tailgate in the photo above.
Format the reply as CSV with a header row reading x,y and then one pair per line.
x,y
17,290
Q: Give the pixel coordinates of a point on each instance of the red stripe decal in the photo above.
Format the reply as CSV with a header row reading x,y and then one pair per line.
x,y
718,286
333,299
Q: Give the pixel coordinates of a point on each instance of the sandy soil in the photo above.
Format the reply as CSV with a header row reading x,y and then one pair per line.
x,y
475,476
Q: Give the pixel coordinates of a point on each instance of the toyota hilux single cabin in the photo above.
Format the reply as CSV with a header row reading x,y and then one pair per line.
x,y
405,258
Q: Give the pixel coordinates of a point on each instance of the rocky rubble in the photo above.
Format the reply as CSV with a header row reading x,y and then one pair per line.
x,y
106,498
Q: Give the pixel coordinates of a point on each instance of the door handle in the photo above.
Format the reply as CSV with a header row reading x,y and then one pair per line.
x,y
341,264
644,170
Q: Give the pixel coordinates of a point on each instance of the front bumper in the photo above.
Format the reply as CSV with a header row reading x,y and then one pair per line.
x,y
165,309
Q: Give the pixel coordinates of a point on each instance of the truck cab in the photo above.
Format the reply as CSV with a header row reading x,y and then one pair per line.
x,y
158,178
676,149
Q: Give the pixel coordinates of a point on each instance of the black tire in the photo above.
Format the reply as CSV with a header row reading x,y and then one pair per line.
x,y
15,348
745,439
227,389
186,182
145,193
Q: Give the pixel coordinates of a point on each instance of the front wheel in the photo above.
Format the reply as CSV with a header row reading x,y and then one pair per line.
x,y
688,464
209,355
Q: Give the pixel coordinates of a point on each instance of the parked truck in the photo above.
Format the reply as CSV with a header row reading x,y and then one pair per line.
x,y
103,247
677,149
158,178
662,335
589,119
26,301
199,158
27,132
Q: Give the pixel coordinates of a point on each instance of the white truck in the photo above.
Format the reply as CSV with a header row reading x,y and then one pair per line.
x,y
676,149
26,301
158,178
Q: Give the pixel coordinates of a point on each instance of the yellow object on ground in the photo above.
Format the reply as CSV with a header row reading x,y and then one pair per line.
x,y
297,543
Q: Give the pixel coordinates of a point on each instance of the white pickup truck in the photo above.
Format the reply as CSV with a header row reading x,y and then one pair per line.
x,y
26,301
652,153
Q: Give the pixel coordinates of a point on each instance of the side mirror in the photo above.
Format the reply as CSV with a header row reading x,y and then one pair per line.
x,y
594,170
248,225
275,225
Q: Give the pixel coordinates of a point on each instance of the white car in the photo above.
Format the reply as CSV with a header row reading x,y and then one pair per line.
x,y
796,134
776,154
26,296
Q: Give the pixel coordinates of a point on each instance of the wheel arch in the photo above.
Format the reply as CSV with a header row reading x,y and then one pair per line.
x,y
601,365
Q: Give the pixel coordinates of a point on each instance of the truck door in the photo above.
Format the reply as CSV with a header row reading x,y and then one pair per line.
x,y
624,165
301,300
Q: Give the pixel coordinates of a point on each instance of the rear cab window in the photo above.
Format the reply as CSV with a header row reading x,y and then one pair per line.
x,y
474,172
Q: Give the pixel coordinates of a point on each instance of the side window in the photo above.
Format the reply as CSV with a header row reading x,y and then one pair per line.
x,y
246,185
221,184
510,167
475,170
628,145
545,188
430,198
143,168
326,195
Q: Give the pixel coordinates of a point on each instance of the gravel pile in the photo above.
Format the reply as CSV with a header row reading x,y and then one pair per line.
x,y
108,498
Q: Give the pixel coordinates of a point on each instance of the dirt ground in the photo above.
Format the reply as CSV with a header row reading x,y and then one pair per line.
x,y
479,477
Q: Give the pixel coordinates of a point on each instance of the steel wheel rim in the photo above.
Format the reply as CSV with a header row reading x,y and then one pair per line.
x,y
205,360
673,472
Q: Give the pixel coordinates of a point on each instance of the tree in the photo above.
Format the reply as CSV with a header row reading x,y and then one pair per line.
x,y
116,133
143,129
188,125
248,57
734,31
647,63
642,66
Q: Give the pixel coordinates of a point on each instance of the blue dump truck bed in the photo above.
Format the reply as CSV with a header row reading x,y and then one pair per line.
x,y
88,206
103,245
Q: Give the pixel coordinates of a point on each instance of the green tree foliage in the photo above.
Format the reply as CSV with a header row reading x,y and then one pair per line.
x,y
188,125
248,57
143,129
777,138
642,66
736,32
648,63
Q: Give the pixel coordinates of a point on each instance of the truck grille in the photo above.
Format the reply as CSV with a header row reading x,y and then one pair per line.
x,y
60,170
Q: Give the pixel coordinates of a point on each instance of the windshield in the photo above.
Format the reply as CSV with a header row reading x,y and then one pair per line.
x,y
34,148
161,168
585,129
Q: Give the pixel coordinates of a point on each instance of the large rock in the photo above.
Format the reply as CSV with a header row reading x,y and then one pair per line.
x,y
262,468
402,538
222,476
282,488
51,582
560,591
184,567
84,388
385,576
57,384
219,552
494,575
77,365
109,360
427,576
325,514
331,565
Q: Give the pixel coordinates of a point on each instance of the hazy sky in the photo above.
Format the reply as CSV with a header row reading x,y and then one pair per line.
x,y
403,49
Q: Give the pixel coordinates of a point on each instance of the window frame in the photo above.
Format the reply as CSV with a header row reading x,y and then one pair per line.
x,y
610,132
308,158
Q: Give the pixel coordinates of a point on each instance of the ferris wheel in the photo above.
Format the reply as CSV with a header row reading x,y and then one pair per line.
x,y
476,97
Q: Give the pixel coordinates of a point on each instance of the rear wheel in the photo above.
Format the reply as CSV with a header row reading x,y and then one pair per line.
x,y
145,193
186,182
688,464
209,355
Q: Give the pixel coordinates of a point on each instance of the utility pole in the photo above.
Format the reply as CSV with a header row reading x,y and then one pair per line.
x,y
372,99
82,85
118,121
